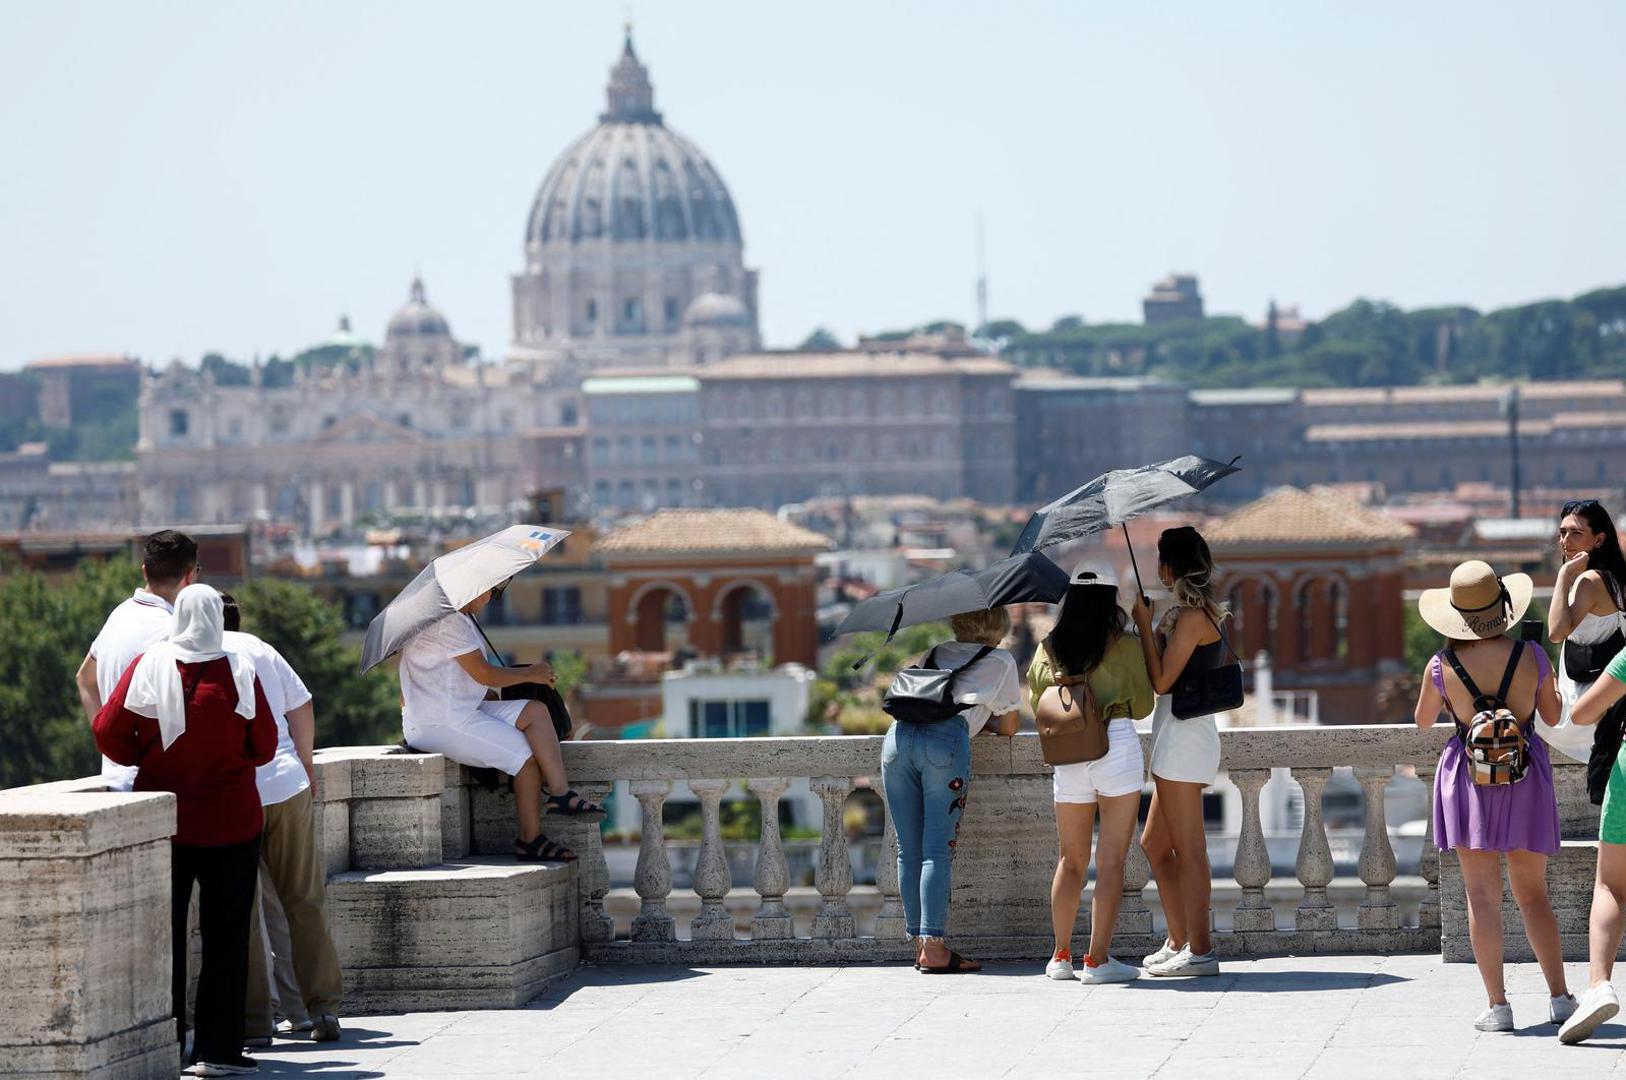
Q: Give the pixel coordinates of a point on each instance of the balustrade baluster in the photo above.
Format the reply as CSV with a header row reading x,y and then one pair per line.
x,y
712,879
1314,864
889,921
1134,917
835,873
1252,867
652,878
1428,865
772,921
596,923
1377,866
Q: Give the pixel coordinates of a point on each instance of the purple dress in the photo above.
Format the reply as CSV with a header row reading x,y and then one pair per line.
x,y
1506,817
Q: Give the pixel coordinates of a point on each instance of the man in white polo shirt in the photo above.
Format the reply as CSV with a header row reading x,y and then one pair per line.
x,y
288,854
169,563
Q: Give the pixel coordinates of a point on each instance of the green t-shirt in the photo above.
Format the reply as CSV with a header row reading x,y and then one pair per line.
x,y
1617,667
1120,683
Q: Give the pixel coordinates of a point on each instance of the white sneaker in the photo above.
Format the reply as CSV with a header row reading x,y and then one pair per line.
x,y
1495,1018
1184,963
1561,1008
1162,956
1597,1005
288,1027
1113,971
1059,969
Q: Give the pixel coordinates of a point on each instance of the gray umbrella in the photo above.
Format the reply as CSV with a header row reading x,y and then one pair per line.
x,y
451,581
1113,498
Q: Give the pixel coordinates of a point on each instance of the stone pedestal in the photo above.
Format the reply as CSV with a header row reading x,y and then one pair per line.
x,y
1006,854
1569,883
468,935
395,807
85,917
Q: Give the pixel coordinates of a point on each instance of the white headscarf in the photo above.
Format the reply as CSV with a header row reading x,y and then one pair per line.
x,y
194,637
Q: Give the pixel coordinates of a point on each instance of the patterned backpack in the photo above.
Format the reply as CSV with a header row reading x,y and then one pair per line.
x,y
1494,742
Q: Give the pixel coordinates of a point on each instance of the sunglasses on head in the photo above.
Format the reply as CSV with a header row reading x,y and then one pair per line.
x,y
1575,506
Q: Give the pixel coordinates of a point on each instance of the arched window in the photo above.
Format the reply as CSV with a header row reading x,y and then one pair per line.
x,y
1236,600
1304,609
1338,600
1272,609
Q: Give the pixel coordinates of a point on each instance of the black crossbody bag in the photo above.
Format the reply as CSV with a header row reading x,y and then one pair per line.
x,y
550,698
1203,693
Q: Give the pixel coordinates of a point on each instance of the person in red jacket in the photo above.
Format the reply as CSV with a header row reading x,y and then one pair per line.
x,y
194,721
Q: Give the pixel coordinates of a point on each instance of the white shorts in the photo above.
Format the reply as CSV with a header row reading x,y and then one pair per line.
x,y
487,739
1121,772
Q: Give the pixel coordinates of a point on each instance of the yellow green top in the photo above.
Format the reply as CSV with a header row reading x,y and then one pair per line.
x,y
1120,683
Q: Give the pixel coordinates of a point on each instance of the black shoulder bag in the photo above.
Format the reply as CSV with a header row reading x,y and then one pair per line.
x,y
1203,693
550,698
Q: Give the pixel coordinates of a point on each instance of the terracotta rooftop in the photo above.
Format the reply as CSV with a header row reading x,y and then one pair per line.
x,y
1294,516
706,531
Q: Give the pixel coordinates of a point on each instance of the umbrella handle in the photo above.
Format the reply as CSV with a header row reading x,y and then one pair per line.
x,y
1139,588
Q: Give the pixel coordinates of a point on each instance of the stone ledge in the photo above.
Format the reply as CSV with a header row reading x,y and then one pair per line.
x,y
79,824
127,1055
472,934
382,772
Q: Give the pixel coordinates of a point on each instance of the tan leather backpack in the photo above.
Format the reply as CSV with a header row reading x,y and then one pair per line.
x,y
1071,727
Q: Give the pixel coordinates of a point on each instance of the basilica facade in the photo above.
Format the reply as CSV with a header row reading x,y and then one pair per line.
x,y
635,379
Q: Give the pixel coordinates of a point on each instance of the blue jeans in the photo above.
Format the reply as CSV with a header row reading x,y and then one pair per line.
x,y
926,769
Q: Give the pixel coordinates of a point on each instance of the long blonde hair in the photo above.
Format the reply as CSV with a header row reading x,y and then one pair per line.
x,y
1184,551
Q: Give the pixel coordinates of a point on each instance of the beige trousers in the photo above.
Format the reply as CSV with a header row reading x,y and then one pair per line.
x,y
289,856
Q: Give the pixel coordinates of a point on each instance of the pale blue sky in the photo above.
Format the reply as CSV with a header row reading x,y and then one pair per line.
x,y
181,177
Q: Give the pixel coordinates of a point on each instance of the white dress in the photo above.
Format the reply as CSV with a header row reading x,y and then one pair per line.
x,y
1576,742
1183,750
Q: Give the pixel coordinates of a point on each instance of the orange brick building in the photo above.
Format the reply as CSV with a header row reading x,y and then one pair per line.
x,y
1317,581
728,584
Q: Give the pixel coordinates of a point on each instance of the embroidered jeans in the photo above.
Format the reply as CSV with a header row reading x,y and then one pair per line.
x,y
926,769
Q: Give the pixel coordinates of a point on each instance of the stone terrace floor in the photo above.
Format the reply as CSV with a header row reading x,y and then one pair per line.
x,y
1358,1016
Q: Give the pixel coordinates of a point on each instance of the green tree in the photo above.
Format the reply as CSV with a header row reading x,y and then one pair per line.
x,y
820,340
351,709
47,626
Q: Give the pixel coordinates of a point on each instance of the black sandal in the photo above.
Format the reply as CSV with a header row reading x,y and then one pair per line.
x,y
572,805
956,965
542,850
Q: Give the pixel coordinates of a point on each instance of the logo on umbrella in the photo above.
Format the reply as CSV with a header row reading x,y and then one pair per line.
x,y
537,542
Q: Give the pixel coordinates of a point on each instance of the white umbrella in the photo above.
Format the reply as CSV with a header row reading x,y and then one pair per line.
x,y
451,581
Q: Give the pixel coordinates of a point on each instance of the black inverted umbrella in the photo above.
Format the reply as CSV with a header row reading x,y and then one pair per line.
x,y
1113,498
1022,578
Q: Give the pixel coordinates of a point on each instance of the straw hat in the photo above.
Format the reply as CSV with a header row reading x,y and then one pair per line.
x,y
1478,604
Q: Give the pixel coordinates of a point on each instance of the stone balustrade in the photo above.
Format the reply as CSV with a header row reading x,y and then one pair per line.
x,y
429,910
1006,851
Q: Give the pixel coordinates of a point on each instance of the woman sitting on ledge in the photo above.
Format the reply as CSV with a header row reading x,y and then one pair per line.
x,y
448,706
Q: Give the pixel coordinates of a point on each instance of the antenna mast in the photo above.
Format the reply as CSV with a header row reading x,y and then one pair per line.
x,y
982,281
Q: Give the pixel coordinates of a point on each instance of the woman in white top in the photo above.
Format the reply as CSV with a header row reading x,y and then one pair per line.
x,y
1585,610
447,707
1585,614
1185,753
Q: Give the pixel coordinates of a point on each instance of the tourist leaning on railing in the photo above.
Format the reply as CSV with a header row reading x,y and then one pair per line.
x,y
192,719
1493,790
1091,645
1600,1002
1185,752
926,771
169,563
